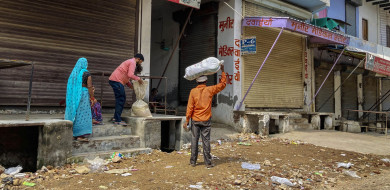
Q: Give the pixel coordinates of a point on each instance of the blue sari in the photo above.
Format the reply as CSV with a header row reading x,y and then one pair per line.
x,y
78,109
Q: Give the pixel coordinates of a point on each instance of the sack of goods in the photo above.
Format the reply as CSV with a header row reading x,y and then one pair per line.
x,y
139,107
208,66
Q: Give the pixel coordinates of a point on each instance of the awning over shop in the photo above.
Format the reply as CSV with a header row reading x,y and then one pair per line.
x,y
317,34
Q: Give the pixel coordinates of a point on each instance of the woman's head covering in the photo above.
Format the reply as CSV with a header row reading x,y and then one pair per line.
x,y
201,79
73,91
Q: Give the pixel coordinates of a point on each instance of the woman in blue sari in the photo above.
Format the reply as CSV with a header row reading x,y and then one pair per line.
x,y
78,94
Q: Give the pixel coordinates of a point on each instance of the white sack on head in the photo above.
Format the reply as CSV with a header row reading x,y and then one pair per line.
x,y
207,66
139,107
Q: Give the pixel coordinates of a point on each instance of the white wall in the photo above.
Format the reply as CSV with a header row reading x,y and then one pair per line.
x,y
370,13
165,28
231,95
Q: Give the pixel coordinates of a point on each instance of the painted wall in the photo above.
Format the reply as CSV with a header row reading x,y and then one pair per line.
x,y
144,39
229,37
165,28
370,13
337,10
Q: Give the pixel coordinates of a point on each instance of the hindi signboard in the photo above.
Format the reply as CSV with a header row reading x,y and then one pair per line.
x,y
191,3
377,64
248,45
320,34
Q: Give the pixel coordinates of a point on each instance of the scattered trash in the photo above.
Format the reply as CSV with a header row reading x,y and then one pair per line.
x,y
8,180
293,142
29,184
267,163
17,182
116,159
116,154
20,175
169,167
281,180
385,160
2,169
351,173
318,173
196,186
180,152
103,187
126,174
44,169
250,166
219,142
343,154
82,170
237,182
134,169
213,157
97,164
344,165
13,170
117,171
245,144
186,146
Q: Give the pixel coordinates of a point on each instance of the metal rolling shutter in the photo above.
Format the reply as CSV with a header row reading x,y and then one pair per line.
x,y
280,83
370,93
325,92
54,34
349,96
199,43
350,17
385,88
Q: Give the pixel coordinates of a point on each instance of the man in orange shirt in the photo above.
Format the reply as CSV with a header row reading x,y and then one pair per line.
x,y
199,110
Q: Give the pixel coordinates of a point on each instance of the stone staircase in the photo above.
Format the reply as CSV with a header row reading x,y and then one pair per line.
x,y
105,140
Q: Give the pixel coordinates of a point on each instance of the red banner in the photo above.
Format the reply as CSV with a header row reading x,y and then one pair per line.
x,y
191,3
377,64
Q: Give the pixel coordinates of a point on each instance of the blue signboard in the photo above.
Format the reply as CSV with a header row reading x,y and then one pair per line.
x,y
248,45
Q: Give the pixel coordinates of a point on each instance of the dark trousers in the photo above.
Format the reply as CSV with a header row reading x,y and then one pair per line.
x,y
201,128
120,99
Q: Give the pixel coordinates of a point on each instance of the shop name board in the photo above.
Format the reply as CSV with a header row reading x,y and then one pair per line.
x,y
190,3
377,64
296,26
248,45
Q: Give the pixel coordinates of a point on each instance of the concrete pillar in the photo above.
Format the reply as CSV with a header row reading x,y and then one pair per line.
x,y
380,93
360,93
264,125
144,36
337,95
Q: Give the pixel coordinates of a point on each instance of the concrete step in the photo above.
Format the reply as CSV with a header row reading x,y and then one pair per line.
x,y
298,121
301,126
109,143
79,157
110,130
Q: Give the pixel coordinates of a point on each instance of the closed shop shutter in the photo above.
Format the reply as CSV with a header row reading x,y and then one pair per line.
x,y
199,43
350,16
54,34
325,92
370,94
385,89
280,83
349,96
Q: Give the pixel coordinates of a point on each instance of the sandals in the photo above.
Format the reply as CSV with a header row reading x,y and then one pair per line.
x,y
82,139
121,123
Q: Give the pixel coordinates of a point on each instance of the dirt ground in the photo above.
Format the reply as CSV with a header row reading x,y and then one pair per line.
x,y
307,166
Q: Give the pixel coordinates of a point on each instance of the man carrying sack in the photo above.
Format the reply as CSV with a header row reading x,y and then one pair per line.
x,y
199,110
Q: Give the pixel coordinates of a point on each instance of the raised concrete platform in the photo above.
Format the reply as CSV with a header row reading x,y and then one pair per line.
x,y
53,138
151,129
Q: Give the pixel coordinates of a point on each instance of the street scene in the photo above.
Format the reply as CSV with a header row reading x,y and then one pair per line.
x,y
195,94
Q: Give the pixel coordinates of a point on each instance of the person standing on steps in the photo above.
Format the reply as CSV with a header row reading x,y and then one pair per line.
x,y
120,77
199,110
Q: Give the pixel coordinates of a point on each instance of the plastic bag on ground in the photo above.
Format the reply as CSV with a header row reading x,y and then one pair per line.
x,y
139,107
351,173
250,166
281,180
207,66
13,170
344,165
97,164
